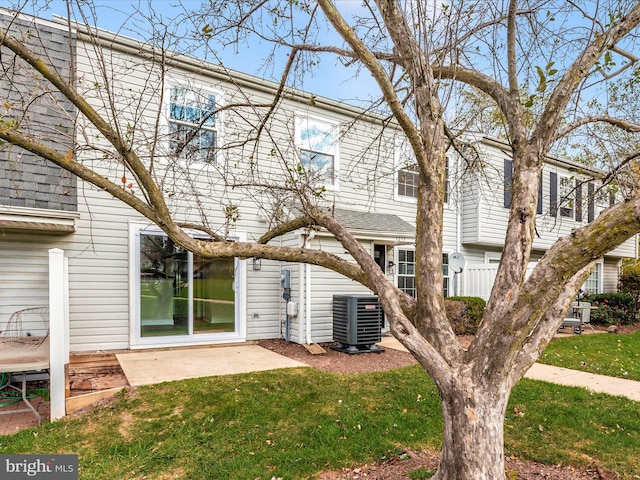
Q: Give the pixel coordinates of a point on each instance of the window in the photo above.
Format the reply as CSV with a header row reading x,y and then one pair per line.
x,y
407,272
408,177
446,180
316,141
567,199
408,181
507,182
445,273
603,200
192,124
594,281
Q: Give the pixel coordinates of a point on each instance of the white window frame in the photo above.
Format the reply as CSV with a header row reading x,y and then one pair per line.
x,y
326,142
217,127
447,284
136,341
598,268
601,201
492,257
447,278
567,196
405,164
398,275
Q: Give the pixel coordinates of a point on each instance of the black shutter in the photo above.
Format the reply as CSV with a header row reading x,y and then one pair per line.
x,y
591,199
553,194
508,181
578,201
539,209
612,199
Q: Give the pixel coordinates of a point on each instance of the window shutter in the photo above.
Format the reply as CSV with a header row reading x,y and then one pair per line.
x,y
539,209
591,210
553,194
508,181
578,200
612,199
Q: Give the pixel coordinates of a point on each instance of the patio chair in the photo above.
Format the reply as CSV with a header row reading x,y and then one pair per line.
x,y
582,317
24,347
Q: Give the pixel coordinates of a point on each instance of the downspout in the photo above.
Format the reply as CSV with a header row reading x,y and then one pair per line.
x,y
308,303
307,293
457,205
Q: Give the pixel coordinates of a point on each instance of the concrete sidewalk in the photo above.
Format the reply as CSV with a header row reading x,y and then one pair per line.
x,y
563,376
596,383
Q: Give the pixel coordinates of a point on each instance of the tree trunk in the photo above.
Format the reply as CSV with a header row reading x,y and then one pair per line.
x,y
473,432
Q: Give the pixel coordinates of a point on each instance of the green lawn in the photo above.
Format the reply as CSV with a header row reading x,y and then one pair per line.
x,y
294,423
606,354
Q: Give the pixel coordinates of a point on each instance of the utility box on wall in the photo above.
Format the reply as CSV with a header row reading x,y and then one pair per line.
x,y
357,323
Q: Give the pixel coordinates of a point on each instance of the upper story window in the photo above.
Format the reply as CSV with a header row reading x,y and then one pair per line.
x,y
507,182
193,125
567,196
408,180
317,144
408,177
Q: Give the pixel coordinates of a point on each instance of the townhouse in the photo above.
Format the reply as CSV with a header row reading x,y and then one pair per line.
x,y
130,287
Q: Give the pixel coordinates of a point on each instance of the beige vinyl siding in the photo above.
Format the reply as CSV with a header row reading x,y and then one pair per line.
x,y
263,300
611,274
326,284
24,277
99,274
485,218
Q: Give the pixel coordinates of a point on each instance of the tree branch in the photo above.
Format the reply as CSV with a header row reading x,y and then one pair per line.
x,y
286,227
377,71
67,162
616,122
129,157
576,73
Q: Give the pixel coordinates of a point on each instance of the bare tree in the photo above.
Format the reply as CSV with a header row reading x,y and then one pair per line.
x,y
517,55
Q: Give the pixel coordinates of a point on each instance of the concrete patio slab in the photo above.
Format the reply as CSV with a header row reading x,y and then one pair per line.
x,y
151,367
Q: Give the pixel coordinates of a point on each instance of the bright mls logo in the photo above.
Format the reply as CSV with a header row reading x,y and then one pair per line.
x,y
49,467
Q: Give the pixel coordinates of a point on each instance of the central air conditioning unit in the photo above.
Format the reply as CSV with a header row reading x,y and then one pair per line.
x,y
357,322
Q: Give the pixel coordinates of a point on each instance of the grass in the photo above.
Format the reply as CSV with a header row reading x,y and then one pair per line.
x,y
612,355
293,423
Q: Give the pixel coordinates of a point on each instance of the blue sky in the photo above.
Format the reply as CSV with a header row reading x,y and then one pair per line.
x,y
330,79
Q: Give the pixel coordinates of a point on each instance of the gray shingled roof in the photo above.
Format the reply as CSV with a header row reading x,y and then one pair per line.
x,y
382,223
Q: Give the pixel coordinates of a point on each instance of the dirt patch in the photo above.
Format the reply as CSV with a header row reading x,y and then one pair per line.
x,y
399,468
338,362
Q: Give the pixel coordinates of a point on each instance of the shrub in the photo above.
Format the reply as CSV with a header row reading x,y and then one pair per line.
x,y
613,308
630,280
465,314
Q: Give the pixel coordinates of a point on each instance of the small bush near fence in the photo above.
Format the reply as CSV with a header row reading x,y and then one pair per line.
x,y
465,314
613,308
629,281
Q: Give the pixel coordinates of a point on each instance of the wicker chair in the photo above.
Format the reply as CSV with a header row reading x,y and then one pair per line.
x,y
24,347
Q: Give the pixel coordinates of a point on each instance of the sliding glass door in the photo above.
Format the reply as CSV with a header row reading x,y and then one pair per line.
x,y
183,295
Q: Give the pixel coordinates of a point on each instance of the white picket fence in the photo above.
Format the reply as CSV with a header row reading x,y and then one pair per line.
x,y
477,279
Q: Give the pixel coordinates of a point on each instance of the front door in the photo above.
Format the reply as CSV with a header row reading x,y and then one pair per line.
x,y
182,296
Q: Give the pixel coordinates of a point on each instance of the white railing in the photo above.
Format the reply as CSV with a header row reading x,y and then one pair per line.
x,y
58,330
